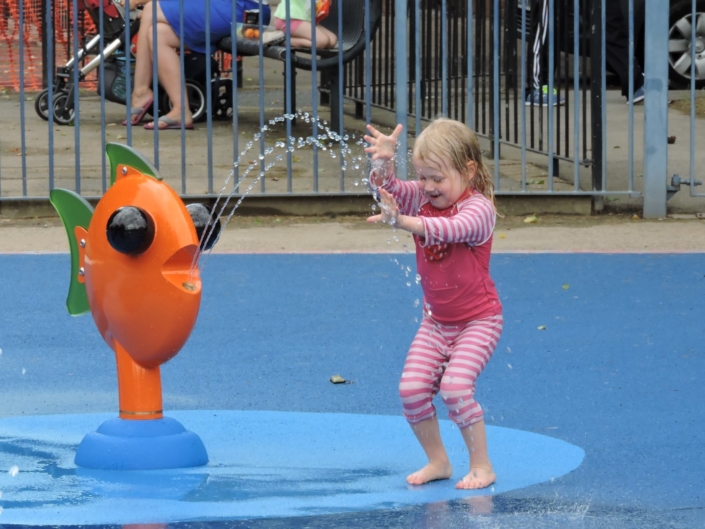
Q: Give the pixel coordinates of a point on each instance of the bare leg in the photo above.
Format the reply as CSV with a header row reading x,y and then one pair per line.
x,y
142,93
481,474
169,67
301,38
429,435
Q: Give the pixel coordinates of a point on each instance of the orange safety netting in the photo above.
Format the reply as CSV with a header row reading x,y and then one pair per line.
x,y
31,36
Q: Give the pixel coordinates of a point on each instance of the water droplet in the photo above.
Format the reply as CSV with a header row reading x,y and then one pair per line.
x,y
416,303
509,366
24,370
14,470
0,351
408,284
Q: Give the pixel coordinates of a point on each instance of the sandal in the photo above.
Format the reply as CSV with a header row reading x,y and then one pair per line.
x,y
137,114
170,124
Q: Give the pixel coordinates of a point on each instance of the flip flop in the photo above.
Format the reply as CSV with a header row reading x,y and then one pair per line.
x,y
170,124
137,113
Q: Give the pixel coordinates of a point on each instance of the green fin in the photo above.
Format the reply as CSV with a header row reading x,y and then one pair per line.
x,y
122,154
74,210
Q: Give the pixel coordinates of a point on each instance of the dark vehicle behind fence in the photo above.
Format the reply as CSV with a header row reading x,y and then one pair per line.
x,y
681,27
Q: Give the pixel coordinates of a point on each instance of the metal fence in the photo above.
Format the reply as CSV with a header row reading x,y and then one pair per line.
x,y
400,60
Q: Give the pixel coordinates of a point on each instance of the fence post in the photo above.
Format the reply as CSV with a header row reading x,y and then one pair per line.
x,y
401,73
596,102
47,76
655,109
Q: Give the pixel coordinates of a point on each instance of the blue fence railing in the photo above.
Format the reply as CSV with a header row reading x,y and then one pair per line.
x,y
269,113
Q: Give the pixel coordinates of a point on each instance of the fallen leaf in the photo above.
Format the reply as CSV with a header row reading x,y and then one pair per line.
x,y
531,219
534,181
275,179
337,379
502,236
635,217
566,286
542,327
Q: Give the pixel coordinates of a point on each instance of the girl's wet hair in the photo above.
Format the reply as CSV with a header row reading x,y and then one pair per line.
x,y
455,144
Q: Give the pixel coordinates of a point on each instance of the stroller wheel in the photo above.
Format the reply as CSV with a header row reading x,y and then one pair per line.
x,y
196,100
222,98
62,115
41,104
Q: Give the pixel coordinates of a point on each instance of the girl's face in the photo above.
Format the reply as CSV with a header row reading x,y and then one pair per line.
x,y
442,184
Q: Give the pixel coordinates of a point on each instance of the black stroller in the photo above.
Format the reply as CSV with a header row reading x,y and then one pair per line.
x,y
116,61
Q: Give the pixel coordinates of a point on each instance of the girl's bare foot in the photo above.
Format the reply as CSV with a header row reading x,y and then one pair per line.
x,y
430,472
478,478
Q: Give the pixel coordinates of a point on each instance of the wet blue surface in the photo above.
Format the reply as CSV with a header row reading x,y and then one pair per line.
x,y
617,372
326,463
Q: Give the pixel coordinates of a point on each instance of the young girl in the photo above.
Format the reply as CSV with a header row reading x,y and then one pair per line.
x,y
301,25
450,210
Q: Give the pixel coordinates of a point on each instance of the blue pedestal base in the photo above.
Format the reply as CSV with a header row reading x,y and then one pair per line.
x,y
121,444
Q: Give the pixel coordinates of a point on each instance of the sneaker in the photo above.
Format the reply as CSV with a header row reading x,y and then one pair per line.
x,y
270,38
638,96
537,98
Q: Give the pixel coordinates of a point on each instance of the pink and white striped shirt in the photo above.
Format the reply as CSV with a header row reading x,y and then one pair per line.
x,y
453,259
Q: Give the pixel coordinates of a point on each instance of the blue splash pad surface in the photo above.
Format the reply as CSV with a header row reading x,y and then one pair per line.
x,y
617,372
273,464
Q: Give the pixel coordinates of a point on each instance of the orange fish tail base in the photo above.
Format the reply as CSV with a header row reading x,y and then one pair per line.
x,y
139,388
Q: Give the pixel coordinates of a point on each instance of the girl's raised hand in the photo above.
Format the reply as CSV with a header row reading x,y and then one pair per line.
x,y
388,207
381,146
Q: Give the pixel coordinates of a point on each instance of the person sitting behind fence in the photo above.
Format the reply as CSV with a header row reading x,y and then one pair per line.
x,y
301,24
168,23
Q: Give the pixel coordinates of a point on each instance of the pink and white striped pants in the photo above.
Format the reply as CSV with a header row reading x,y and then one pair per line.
x,y
449,358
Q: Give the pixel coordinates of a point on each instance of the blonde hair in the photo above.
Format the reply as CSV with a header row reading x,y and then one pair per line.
x,y
455,144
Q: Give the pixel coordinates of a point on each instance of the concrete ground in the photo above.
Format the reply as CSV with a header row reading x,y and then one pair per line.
x,y
287,234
